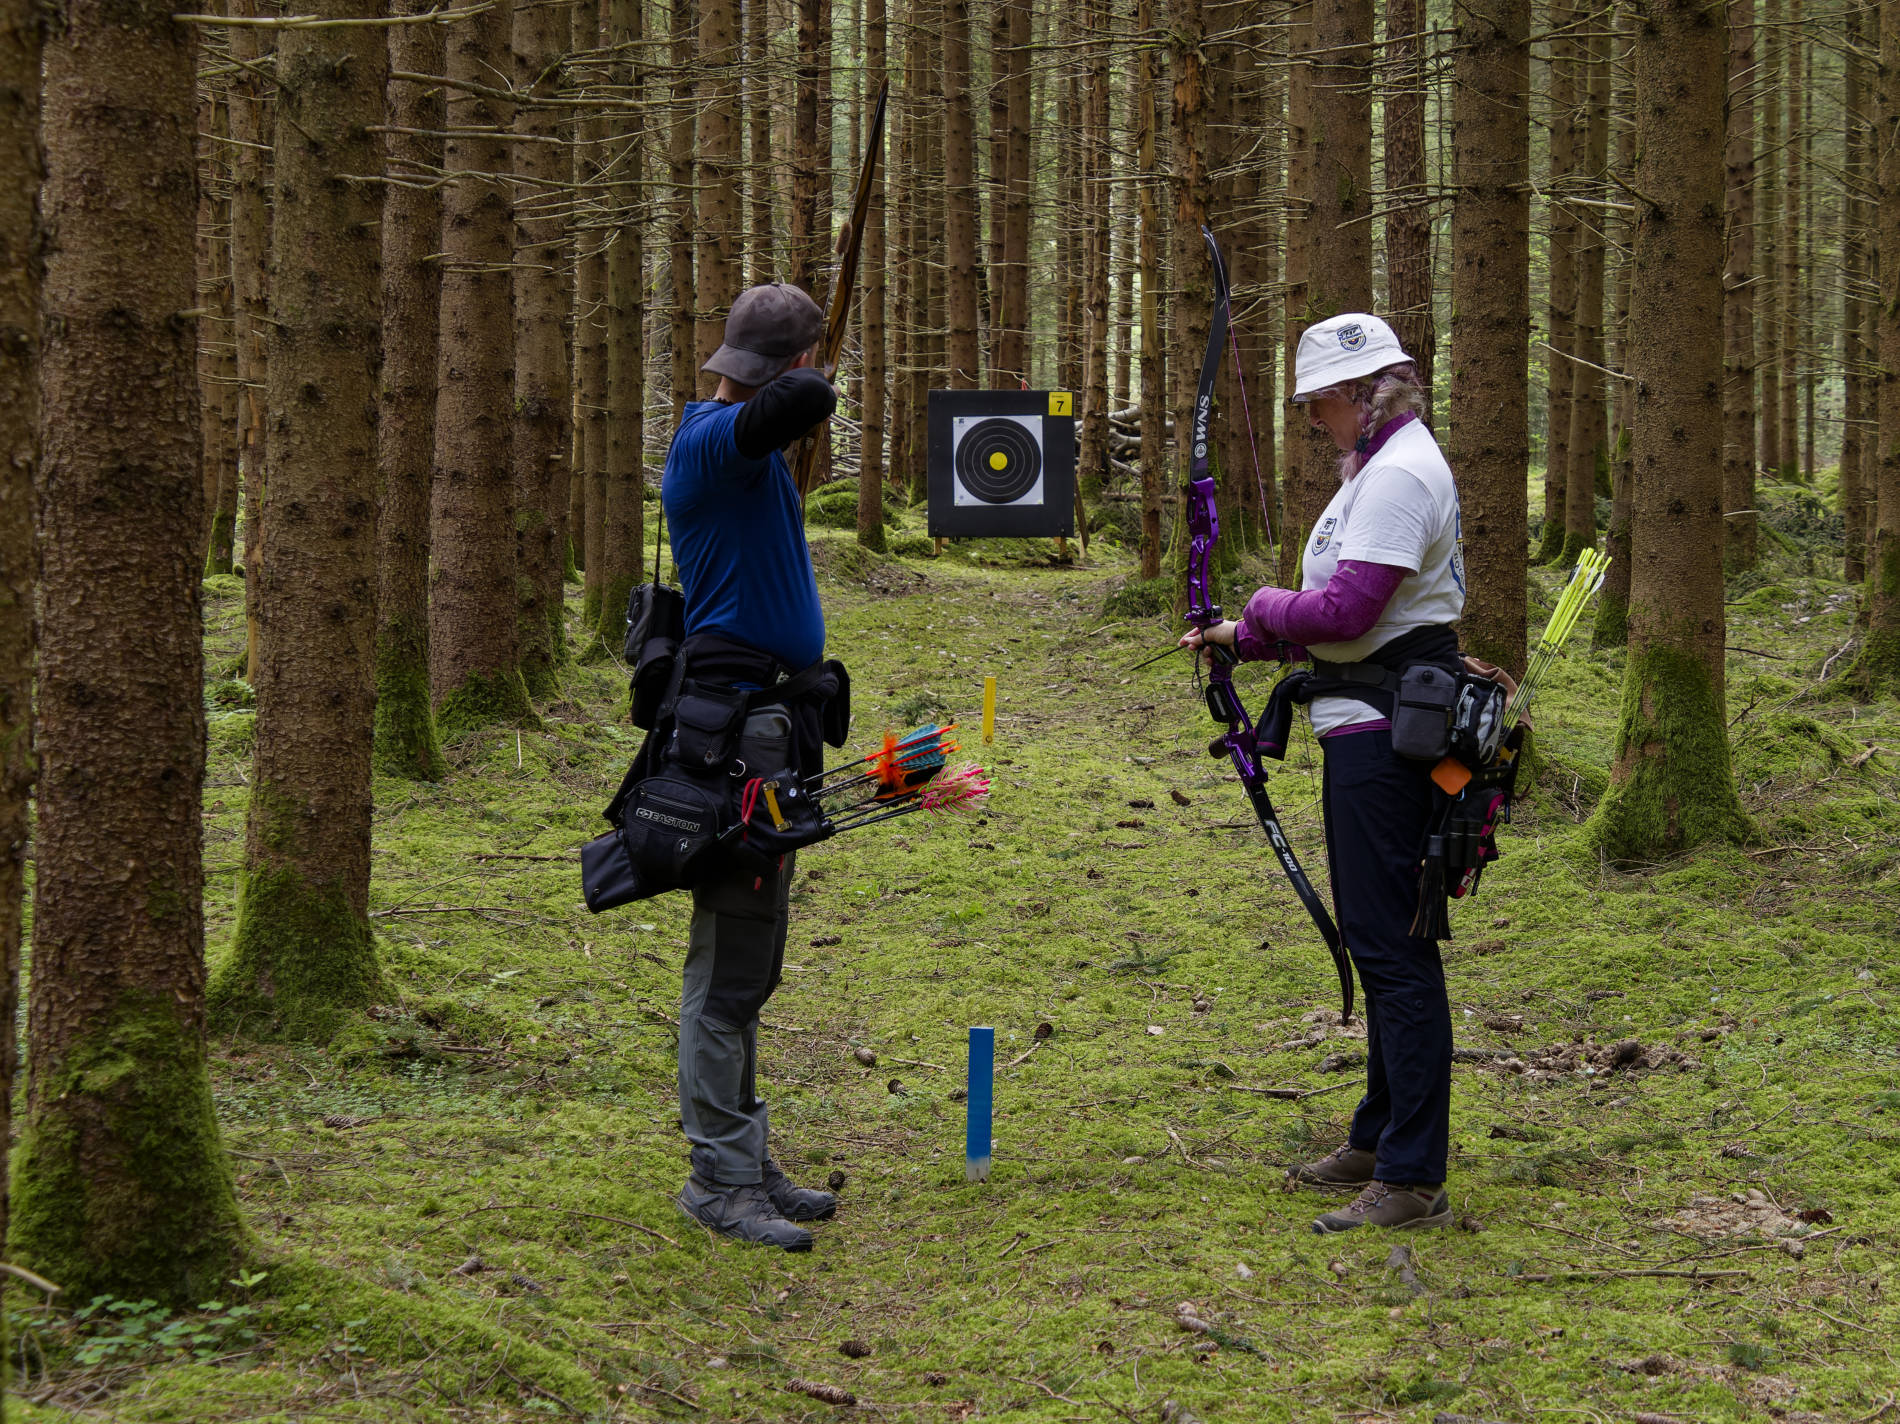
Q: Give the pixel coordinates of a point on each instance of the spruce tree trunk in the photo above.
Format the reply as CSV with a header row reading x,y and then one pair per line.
x,y
1489,446
1612,615
1788,386
959,194
1337,233
120,1183
622,543
252,108
217,353
1589,423
1560,329
721,207
761,175
1154,452
405,742
1408,223
1094,404
871,308
1878,667
1857,277
680,141
474,646
21,268
590,338
303,952
1738,297
1192,287
543,397
1294,454
807,244
1771,48
1670,786
1012,361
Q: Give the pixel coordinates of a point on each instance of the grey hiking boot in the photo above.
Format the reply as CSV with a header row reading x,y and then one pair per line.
x,y
796,1203
745,1213
1389,1204
1346,1168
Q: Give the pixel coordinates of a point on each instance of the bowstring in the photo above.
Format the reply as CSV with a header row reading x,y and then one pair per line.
x,y
1240,379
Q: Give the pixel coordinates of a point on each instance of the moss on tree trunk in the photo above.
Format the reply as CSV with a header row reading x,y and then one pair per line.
x,y
125,1190
405,740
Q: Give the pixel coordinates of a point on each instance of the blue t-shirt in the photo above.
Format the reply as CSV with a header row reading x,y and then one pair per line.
x,y
738,540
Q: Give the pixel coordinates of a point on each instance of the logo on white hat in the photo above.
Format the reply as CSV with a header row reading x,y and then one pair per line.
x,y
1352,336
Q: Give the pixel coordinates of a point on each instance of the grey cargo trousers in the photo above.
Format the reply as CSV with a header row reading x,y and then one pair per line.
x,y
735,955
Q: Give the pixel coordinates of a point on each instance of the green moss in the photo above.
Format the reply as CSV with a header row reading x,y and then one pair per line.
x,y
1574,545
500,700
1877,669
302,960
405,738
1671,789
611,626
1612,627
218,552
120,1184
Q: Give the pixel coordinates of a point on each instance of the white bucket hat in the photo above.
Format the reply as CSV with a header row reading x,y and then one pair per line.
x,y
1343,348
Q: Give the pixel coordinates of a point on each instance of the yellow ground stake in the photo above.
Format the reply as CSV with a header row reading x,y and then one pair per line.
x,y
989,710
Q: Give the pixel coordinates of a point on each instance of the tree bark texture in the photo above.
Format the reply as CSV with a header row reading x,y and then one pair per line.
x,y
1338,233
217,353
1560,329
252,108
1489,446
474,647
871,306
1770,50
1793,357
543,396
1738,297
1879,662
1154,453
592,236
1296,458
1857,278
680,142
622,543
1670,787
1588,455
1408,222
1612,613
1095,245
762,176
120,1183
1013,328
303,953
721,205
21,268
959,185
405,743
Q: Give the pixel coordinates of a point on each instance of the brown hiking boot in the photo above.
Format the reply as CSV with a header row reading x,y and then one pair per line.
x,y
1388,1204
1346,1168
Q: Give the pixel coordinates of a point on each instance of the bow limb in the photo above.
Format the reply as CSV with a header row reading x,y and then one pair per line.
x,y
851,240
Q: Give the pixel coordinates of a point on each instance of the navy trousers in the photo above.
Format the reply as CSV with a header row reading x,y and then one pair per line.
x,y
1377,806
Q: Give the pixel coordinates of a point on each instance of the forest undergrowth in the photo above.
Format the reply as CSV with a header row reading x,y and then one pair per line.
x,y
1676,1105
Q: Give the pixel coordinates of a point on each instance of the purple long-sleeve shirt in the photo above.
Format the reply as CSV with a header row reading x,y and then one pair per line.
x,y
1279,623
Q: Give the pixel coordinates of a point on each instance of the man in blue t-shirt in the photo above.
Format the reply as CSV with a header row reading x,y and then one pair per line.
x,y
752,616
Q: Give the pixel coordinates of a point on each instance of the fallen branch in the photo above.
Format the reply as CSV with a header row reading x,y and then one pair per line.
x,y
446,910
1689,1275
1292,1094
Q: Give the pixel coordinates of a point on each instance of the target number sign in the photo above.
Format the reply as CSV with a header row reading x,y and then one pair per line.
x,y
1002,463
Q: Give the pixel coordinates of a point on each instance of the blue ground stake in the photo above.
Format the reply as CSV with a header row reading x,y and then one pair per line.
x,y
976,1150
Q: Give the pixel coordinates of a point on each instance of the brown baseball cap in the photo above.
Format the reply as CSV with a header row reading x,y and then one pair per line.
x,y
768,326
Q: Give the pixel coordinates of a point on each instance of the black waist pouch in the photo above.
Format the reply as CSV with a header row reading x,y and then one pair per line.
x,y
656,623
669,823
1422,710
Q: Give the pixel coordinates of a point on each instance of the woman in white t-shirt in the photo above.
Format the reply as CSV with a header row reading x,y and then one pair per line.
x,y
1382,583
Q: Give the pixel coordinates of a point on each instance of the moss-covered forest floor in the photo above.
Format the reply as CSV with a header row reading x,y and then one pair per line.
x,y
462,1206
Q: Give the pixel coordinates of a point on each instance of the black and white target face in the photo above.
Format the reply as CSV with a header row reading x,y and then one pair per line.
x,y
997,459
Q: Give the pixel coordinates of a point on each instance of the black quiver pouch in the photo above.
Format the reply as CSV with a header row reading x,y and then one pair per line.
x,y
685,802
1462,839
